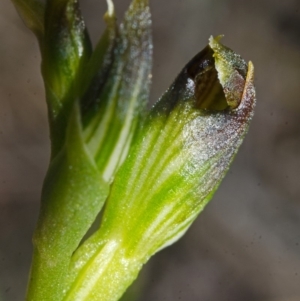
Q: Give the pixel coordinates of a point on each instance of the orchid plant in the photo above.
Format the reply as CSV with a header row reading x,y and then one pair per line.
x,y
149,173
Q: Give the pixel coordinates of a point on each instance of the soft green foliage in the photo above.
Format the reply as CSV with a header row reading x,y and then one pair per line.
x,y
154,171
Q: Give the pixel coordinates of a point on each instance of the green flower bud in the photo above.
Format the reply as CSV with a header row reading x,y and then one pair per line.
x,y
113,107
173,168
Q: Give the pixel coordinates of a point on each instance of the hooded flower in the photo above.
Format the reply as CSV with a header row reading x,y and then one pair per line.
x,y
154,171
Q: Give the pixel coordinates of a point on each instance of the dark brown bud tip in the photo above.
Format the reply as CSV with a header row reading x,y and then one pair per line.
x,y
219,75
215,80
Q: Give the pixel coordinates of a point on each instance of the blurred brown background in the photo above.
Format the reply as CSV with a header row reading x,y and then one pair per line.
x,y
246,244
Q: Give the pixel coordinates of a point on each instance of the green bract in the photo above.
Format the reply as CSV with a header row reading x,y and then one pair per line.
x,y
154,171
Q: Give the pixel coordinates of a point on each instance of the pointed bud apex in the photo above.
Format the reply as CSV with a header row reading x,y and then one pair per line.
x,y
110,9
232,70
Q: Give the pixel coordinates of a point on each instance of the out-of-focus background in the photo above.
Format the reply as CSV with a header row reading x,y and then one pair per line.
x,y
246,245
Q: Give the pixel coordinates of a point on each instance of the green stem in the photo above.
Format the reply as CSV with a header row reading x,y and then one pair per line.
x,y
47,277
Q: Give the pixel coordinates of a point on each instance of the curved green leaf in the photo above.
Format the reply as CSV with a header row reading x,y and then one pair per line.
x,y
73,195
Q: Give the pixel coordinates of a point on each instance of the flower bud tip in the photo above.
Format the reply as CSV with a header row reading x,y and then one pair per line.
x,y
110,8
